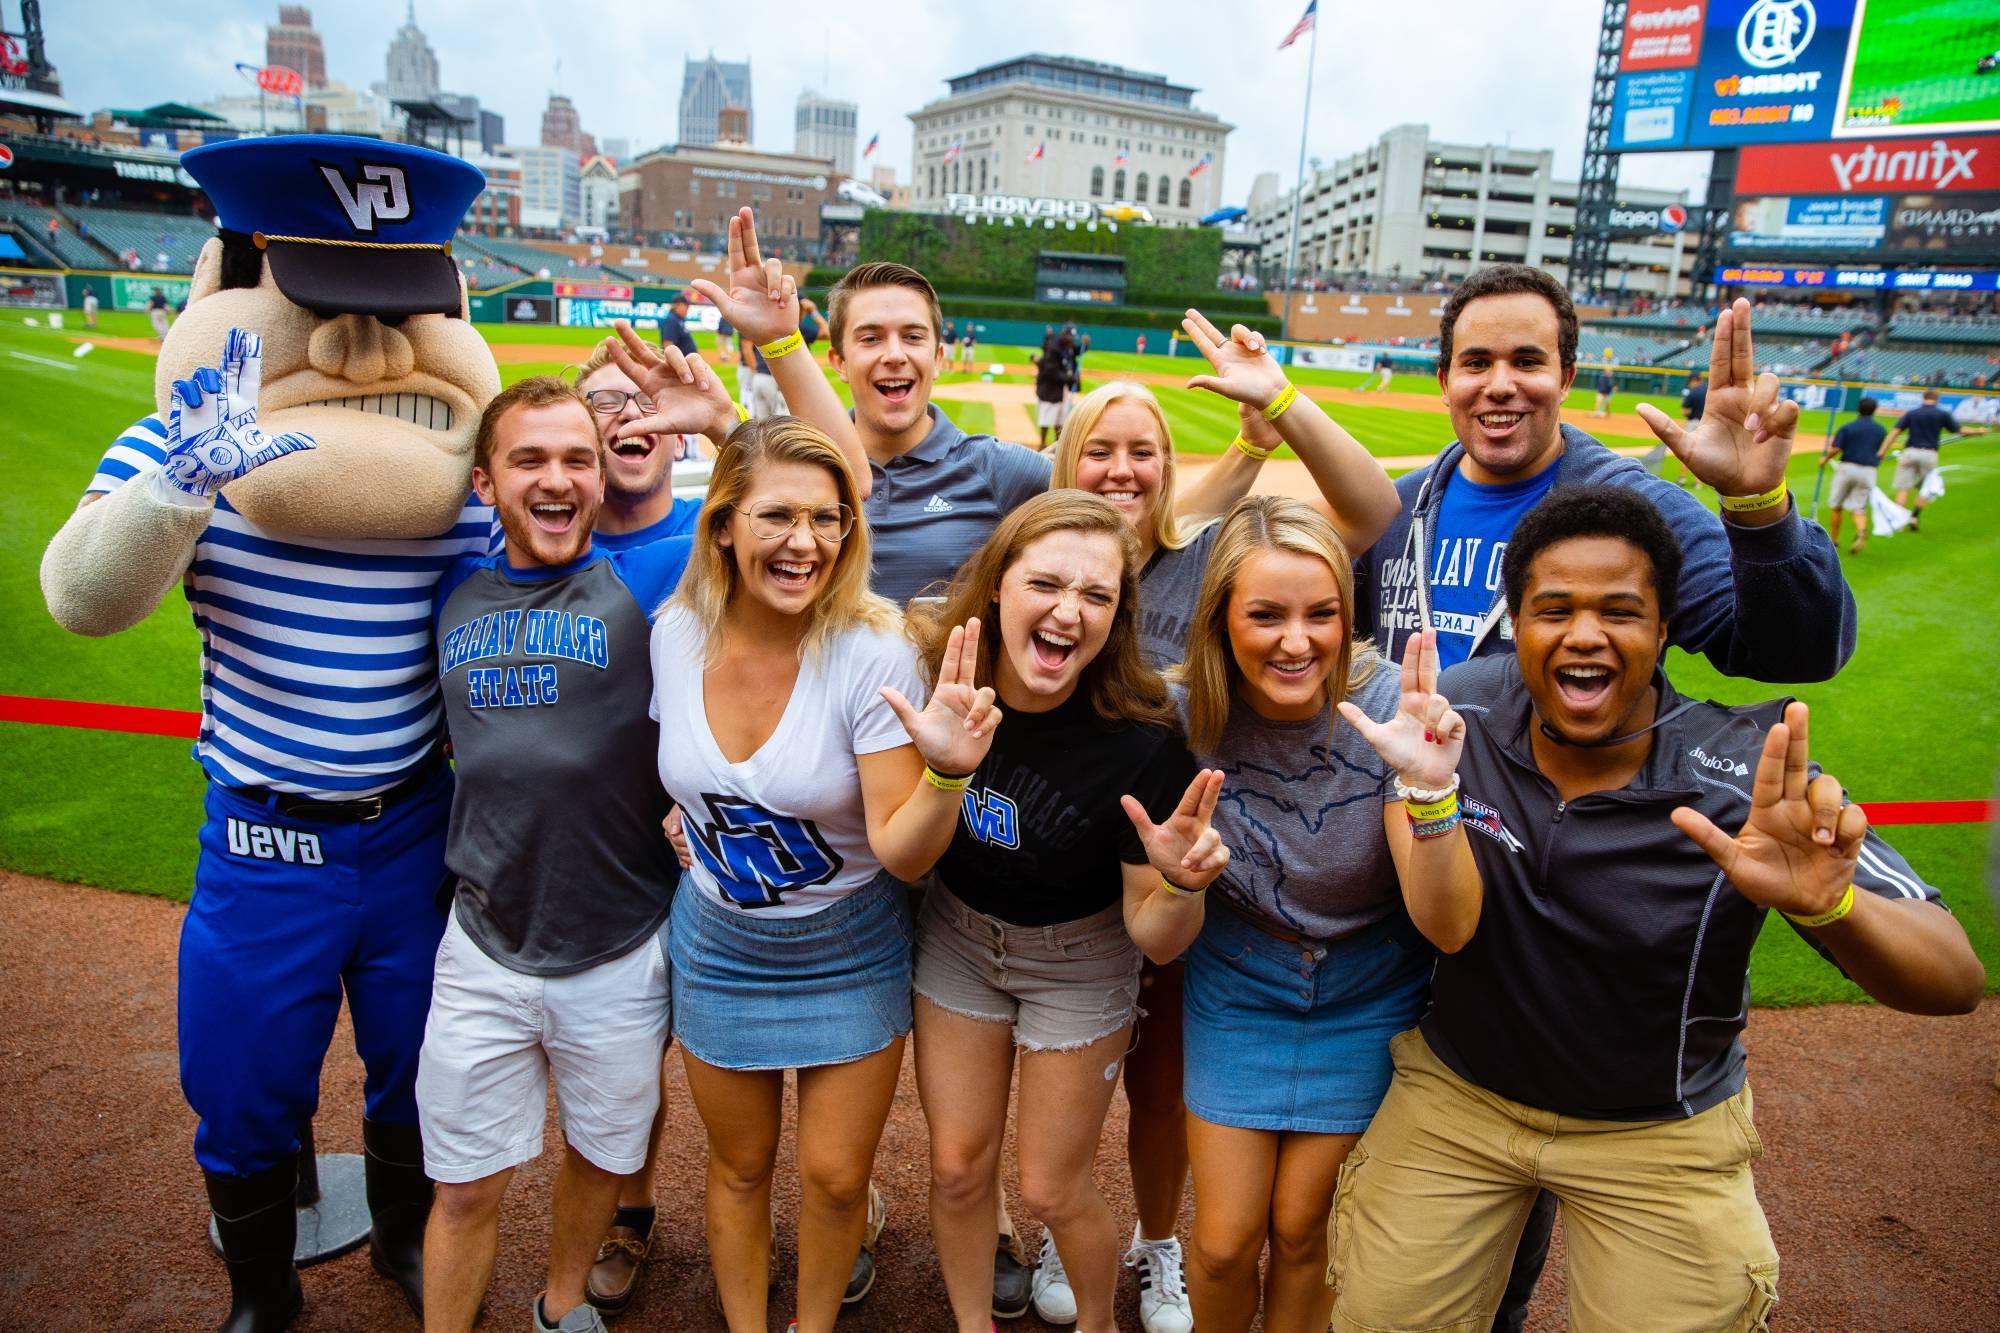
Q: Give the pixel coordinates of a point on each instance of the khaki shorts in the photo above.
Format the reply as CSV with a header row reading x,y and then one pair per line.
x,y
1062,987
1853,483
1661,1217
1049,414
1913,466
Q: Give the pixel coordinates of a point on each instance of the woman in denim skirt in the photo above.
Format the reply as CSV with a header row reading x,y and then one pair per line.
x,y
1305,965
1056,879
785,739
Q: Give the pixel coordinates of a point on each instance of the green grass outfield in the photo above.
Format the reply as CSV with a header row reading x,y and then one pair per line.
x,y
1903,722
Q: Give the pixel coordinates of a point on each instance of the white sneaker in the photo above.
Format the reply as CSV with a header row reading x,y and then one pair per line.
x,y
1054,1301
1163,1300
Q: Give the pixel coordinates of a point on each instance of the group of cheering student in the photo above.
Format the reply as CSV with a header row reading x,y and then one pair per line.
x,y
1368,844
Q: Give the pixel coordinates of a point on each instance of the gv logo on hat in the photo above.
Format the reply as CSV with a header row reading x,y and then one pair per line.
x,y
379,196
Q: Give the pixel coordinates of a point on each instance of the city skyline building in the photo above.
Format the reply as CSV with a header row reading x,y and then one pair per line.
x,y
412,66
291,42
826,127
707,86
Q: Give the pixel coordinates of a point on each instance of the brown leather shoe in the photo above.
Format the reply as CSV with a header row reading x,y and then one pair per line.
x,y
615,1276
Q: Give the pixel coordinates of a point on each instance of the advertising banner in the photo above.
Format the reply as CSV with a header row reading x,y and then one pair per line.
x,y
1858,279
597,291
32,291
1661,34
136,292
1856,166
579,312
1945,222
1770,71
530,309
1817,222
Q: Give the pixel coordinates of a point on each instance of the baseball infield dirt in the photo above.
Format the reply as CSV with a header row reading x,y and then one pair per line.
x,y
1882,1173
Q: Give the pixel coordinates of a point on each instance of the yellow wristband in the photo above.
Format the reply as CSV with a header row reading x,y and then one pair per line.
x,y
1259,454
1753,504
1828,917
785,346
943,783
1179,892
1425,811
742,413
1281,402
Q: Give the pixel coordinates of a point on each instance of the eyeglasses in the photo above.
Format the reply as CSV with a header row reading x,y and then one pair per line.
x,y
829,523
608,401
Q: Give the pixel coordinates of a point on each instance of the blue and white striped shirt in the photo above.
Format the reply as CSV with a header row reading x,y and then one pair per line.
x,y
318,667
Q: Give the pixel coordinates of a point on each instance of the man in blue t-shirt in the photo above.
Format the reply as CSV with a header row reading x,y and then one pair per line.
x,y
1858,445
1926,426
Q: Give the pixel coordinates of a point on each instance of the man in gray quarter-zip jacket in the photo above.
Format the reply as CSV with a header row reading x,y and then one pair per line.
x,y
1761,592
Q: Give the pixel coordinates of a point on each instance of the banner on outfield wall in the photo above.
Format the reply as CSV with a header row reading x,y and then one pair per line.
x,y
530,309
33,291
137,293
1892,401
1334,358
579,312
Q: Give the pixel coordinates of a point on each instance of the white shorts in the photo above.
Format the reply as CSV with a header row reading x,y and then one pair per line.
x,y
1913,466
1853,483
1049,414
765,400
493,1036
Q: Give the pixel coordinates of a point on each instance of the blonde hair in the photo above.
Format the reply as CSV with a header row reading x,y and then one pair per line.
x,y
1209,672
711,579
1119,684
1169,534
599,358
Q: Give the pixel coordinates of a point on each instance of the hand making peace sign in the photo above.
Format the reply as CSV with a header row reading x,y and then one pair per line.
x,y
1797,851
1184,848
1244,370
955,729
688,397
762,300
1422,743
1744,438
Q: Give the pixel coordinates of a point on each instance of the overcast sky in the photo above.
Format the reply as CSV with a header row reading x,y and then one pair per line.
x,y
1472,70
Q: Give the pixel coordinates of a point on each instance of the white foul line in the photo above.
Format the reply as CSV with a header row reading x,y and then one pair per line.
x,y
41,360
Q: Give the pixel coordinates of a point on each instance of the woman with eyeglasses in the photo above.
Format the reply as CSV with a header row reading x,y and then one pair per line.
x,y
781,685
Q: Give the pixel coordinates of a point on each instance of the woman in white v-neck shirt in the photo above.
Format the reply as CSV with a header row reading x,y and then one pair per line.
x,y
781,686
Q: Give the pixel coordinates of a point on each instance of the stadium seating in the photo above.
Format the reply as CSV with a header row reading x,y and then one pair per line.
x,y
483,274
1928,328
532,259
1798,320
1627,349
118,230
73,250
1918,365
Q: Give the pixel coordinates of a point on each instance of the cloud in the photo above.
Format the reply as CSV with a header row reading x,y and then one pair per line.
x,y
1474,72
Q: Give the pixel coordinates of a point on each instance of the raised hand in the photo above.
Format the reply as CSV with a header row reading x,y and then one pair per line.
x,y
1797,851
1244,370
1744,438
1185,848
762,300
688,397
212,434
1422,743
955,729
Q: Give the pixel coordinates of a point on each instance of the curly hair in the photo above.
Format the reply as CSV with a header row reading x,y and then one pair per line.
x,y
1594,511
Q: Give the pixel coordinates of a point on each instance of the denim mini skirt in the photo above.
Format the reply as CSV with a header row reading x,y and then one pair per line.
x,y
757,992
1294,1034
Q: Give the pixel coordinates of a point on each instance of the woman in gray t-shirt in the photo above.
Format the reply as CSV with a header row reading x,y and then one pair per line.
x,y
1306,964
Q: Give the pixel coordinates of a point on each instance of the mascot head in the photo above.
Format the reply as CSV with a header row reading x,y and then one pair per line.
x,y
337,251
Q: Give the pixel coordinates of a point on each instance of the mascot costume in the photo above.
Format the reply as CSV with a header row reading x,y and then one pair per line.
x,y
307,479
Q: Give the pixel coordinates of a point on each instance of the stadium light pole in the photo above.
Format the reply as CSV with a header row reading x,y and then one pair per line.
x,y
1299,194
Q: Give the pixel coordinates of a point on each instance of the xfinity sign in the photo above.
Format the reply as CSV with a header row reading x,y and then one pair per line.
x,y
1021,206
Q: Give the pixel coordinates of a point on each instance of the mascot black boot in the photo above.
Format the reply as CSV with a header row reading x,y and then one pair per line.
x,y
399,1201
256,1218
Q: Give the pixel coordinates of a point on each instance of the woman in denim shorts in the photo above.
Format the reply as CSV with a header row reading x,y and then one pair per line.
x,y
1056,878
1306,965
802,803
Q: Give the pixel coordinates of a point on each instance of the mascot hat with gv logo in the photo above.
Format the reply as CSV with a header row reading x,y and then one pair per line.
x,y
349,225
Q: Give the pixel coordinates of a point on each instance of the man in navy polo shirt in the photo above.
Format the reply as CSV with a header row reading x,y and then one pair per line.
x,y
673,325
1566,853
1858,446
1926,425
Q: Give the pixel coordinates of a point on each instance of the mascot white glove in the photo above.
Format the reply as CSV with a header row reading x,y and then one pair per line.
x,y
212,434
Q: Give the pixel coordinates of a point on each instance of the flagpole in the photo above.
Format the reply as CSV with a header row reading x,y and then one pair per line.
x,y
1299,195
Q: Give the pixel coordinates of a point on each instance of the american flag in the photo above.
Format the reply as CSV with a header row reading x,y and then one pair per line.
x,y
1207,160
874,140
1122,158
1040,148
957,147
1303,26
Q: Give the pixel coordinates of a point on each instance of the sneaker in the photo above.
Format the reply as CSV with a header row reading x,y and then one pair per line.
x,y
1054,1301
862,1280
1163,1301
583,1319
1013,1280
615,1274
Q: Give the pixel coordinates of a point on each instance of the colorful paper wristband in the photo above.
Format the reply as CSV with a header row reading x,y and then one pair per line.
x,y
742,413
1425,830
1259,454
1179,892
785,346
1828,917
945,781
1423,811
1753,504
1281,402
